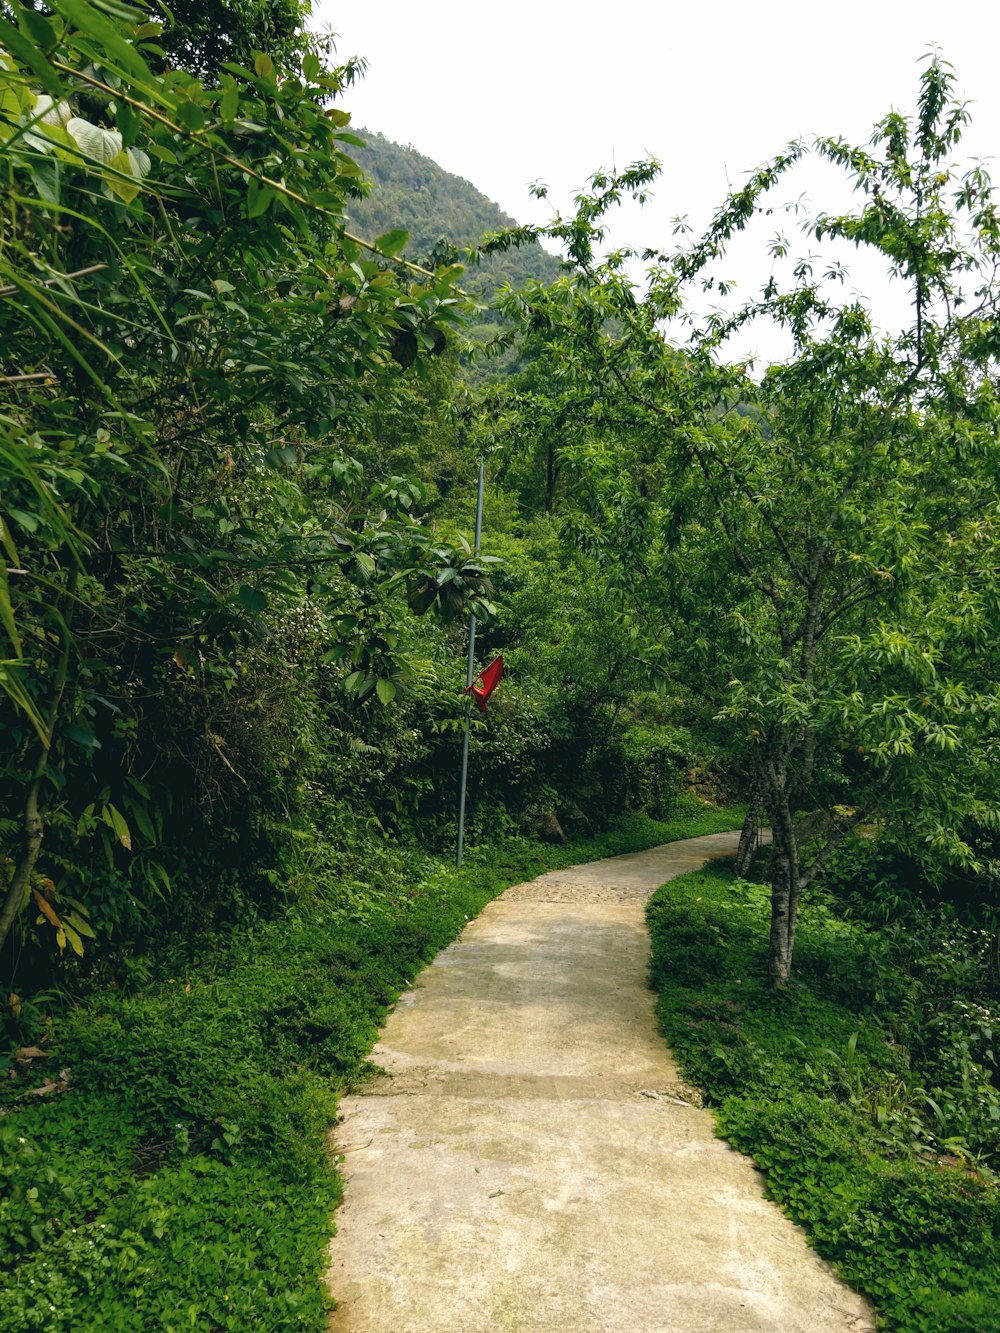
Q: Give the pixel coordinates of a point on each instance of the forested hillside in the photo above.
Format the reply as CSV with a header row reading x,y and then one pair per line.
x,y
440,210
239,439
447,218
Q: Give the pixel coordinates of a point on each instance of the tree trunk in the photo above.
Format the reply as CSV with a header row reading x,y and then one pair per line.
x,y
748,835
32,827
33,819
782,941
785,889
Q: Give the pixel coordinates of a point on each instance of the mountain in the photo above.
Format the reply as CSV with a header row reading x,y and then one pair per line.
x,y
410,190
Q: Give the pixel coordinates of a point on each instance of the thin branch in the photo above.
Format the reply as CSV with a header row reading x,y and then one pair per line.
x,y
61,277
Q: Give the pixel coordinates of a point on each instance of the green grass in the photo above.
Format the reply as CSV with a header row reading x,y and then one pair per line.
x,y
874,1138
184,1181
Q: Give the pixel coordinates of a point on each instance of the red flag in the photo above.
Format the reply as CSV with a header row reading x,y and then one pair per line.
x,y
490,678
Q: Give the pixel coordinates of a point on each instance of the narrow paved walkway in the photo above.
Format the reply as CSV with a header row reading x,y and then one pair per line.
x,y
532,1159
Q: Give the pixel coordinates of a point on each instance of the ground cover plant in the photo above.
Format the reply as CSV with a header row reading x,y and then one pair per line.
x,y
867,1089
178,1175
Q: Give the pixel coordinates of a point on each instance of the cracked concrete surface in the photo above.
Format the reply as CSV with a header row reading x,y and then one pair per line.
x,y
531,1158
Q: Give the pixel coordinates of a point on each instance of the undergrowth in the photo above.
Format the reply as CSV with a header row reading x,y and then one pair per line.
x,y
179,1177
867,1090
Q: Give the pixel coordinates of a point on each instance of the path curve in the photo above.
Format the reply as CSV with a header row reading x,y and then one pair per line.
x,y
532,1160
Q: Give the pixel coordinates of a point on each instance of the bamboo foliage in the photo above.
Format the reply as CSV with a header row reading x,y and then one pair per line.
x,y
190,334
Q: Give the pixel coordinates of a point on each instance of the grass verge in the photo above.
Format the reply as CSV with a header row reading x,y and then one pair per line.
x,y
835,1089
183,1179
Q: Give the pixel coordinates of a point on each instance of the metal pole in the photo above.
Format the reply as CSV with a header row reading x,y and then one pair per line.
x,y
469,677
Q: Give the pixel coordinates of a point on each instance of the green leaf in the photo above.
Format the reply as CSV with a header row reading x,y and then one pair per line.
x,y
280,455
386,691
128,121
251,599
7,614
7,541
116,821
361,569
29,522
392,242
263,65
92,23
83,735
366,687
229,104
122,185
25,50
77,922
421,598
75,943
143,822
258,199
45,175
10,684
39,29
191,115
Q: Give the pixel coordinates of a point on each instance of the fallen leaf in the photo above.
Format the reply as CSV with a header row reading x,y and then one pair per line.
x,y
27,1053
52,1085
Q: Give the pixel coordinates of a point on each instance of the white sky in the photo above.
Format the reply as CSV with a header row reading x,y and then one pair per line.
x,y
512,93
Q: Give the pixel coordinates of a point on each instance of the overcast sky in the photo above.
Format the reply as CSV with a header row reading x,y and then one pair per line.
x,y
517,92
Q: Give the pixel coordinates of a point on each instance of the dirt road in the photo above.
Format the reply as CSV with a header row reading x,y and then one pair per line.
x,y
532,1159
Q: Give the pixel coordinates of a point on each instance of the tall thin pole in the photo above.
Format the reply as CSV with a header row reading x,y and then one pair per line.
x,y
470,677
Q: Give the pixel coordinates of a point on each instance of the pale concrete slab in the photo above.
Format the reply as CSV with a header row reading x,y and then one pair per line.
x,y
531,1160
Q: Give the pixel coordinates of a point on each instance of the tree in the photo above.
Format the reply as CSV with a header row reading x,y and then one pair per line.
x,y
817,552
190,335
201,38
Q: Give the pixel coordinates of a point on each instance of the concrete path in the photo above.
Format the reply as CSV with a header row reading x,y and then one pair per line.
x,y
531,1159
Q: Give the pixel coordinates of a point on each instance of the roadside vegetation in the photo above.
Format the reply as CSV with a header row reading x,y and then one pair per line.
x,y
238,438
165,1153
866,1089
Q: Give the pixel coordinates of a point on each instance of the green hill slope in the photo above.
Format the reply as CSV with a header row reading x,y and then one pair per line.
x,y
410,190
